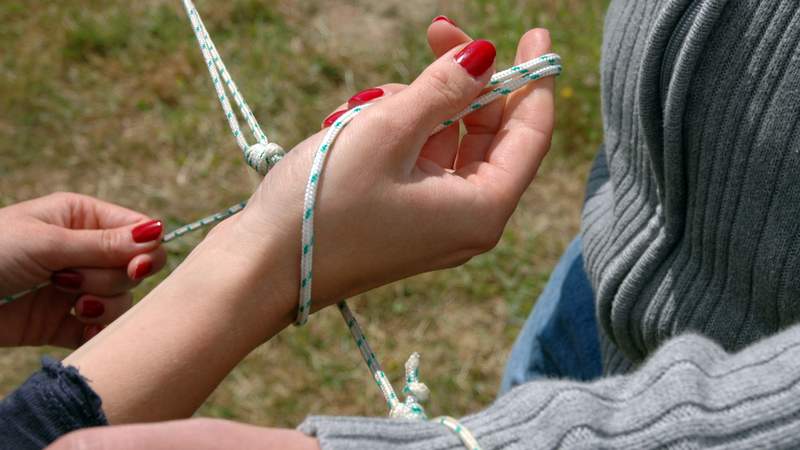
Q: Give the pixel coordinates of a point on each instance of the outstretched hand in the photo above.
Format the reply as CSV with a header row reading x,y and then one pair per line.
x,y
93,252
395,201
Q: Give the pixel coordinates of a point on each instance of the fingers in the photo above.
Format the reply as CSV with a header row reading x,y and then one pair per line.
x,y
362,97
77,211
534,106
524,135
444,34
110,281
442,148
104,248
144,265
70,333
95,281
94,309
445,88
481,125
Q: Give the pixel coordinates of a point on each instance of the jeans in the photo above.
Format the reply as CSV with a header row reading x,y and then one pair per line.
x,y
559,338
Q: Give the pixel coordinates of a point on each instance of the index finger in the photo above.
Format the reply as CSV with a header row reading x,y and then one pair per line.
x,y
98,214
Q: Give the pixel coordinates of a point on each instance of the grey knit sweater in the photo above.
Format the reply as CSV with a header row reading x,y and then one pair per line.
x,y
688,226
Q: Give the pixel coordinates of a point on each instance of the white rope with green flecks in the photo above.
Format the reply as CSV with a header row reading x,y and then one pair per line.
x,y
264,154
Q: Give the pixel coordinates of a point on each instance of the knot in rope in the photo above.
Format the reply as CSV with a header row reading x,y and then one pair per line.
x,y
263,156
416,392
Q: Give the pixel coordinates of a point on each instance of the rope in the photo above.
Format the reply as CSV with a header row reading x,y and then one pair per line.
x,y
260,156
263,155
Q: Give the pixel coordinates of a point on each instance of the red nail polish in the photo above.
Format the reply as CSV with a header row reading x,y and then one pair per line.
x,y
90,331
446,19
92,309
364,96
146,232
143,269
476,57
332,118
67,279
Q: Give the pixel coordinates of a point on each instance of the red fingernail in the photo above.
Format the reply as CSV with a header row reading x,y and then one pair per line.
x,y
67,279
446,19
147,232
143,269
476,57
332,118
92,309
90,331
364,96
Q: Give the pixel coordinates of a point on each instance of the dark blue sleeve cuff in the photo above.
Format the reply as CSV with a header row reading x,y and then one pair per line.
x,y
51,403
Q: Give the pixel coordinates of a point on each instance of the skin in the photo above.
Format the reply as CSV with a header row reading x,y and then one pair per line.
x,y
77,233
412,205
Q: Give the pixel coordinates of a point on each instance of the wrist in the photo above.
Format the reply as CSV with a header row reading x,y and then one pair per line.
x,y
228,297
255,274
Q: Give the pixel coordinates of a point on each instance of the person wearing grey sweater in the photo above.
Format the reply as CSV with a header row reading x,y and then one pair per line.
x,y
690,239
687,239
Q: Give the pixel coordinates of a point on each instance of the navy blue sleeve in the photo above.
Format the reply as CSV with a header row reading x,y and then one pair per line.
x,y
51,403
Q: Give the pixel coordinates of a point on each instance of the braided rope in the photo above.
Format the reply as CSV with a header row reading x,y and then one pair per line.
x,y
260,156
461,431
264,155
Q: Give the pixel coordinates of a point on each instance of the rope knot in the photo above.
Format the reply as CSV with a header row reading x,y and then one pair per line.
x,y
416,392
263,157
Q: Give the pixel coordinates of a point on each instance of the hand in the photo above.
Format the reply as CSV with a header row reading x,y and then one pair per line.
x,y
92,251
394,202
192,434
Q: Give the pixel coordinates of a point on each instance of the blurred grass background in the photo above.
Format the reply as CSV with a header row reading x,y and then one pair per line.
x,y
111,99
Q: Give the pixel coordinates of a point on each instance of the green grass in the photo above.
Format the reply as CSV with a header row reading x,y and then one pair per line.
x,y
111,99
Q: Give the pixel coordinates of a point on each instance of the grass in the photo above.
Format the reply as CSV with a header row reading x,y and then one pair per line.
x,y
111,99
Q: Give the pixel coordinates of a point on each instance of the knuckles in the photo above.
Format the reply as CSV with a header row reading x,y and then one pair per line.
x,y
444,88
110,242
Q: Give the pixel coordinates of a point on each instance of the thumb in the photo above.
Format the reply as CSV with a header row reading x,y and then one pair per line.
x,y
447,86
105,248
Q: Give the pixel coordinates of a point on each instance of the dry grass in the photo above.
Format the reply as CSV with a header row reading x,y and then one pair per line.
x,y
111,99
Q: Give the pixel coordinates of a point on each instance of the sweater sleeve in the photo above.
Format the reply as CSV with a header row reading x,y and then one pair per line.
x,y
51,403
689,394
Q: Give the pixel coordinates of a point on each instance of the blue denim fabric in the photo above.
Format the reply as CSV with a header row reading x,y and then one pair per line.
x,y
559,339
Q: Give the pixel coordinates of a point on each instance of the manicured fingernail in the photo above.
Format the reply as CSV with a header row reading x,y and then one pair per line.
x,y
476,57
364,96
143,269
90,331
445,18
149,231
92,309
332,118
67,279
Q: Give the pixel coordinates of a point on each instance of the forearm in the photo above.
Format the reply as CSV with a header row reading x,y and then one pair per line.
x,y
690,392
166,355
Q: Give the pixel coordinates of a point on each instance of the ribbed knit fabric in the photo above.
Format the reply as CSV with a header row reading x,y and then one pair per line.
x,y
691,223
692,216
690,394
